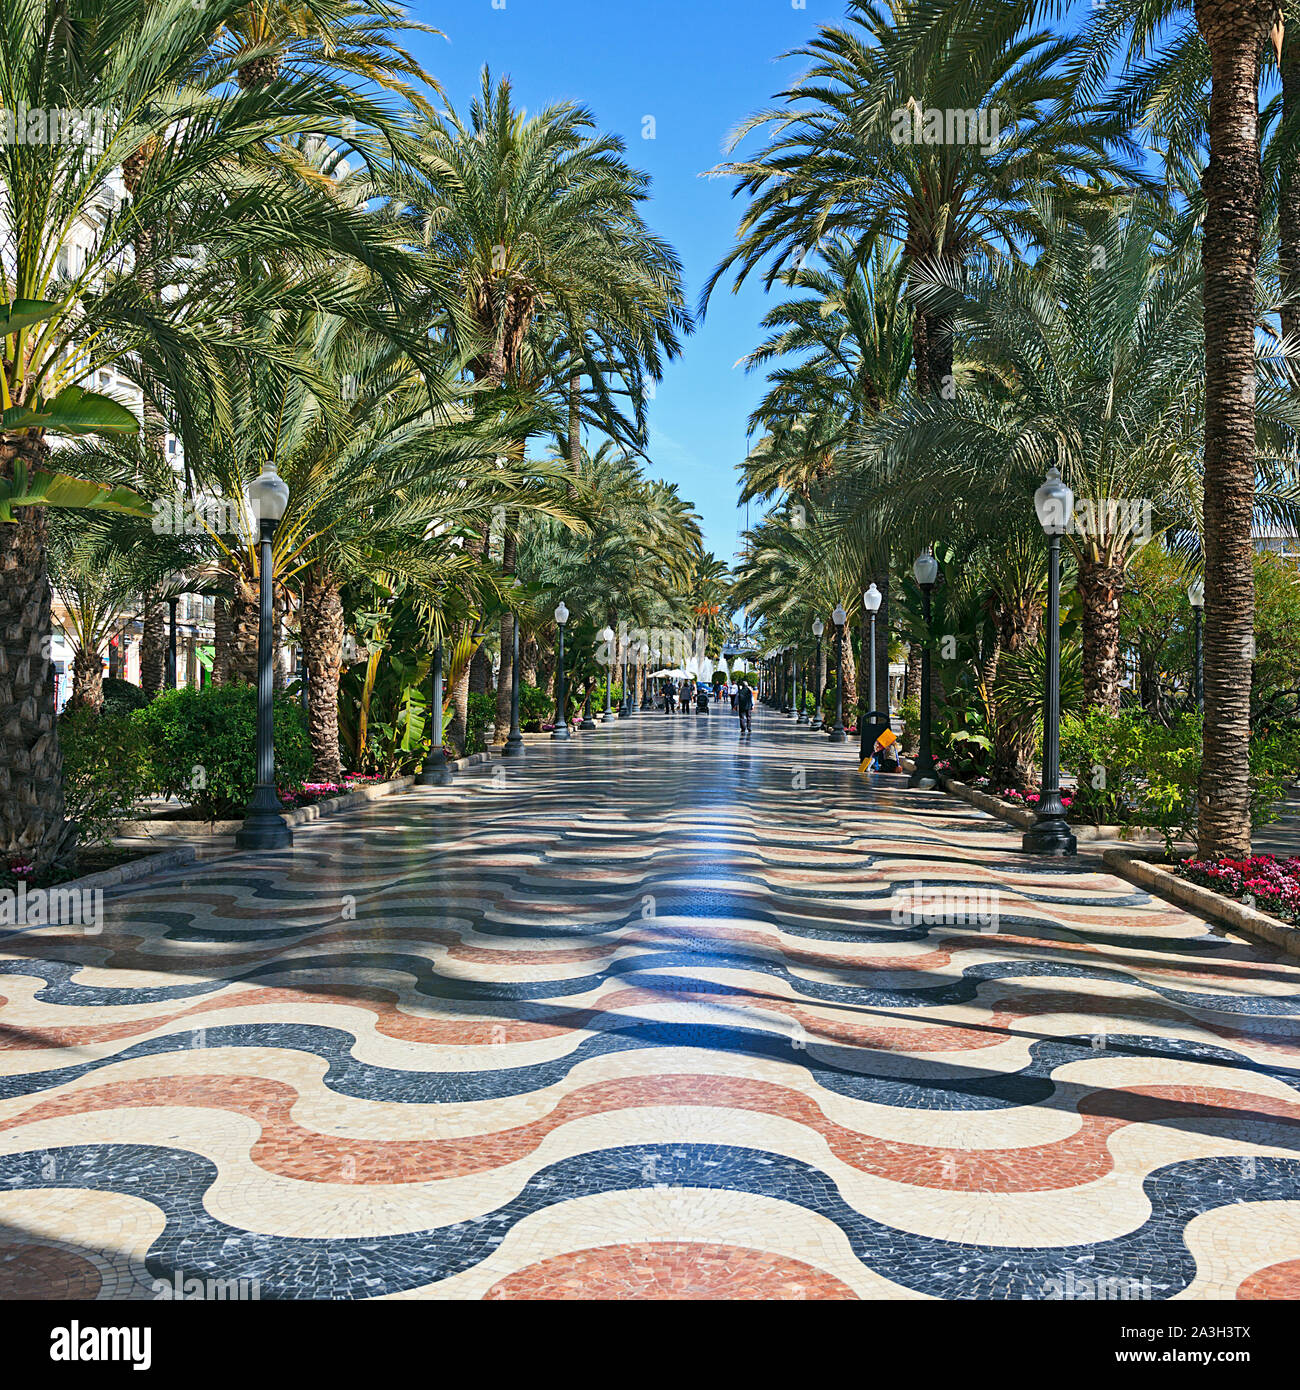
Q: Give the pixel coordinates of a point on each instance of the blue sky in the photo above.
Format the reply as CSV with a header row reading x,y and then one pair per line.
x,y
699,67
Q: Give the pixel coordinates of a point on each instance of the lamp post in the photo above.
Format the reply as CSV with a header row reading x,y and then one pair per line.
x,y
801,701
561,729
264,824
647,700
607,636
874,721
1196,597
624,706
171,641
1050,834
925,571
437,771
818,628
839,618
514,744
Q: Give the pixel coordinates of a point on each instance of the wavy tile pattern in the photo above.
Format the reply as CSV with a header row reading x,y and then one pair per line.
x,y
658,1014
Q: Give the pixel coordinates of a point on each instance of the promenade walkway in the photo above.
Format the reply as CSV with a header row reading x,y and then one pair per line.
x,y
657,1013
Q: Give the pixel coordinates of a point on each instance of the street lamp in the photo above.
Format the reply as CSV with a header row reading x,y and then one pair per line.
x,y
607,636
624,703
1050,834
561,729
818,628
1196,597
839,617
514,744
647,700
925,571
437,771
874,721
264,824
801,701
170,679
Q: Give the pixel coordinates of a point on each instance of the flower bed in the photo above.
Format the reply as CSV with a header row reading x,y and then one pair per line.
x,y
88,861
1013,796
1263,882
311,792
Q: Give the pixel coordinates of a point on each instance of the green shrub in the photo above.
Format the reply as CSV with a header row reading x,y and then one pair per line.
x,y
481,712
204,746
107,770
534,706
1132,768
121,697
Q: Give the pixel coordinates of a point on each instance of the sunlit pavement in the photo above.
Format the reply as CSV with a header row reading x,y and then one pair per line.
x,y
662,1012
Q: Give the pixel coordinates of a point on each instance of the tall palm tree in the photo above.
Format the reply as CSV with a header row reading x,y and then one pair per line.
x,y
223,174
1223,49
853,150
539,220
1235,32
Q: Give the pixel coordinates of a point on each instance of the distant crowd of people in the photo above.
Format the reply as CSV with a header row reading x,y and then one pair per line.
x,y
680,696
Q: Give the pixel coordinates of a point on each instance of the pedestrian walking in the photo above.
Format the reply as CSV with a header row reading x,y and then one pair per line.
x,y
745,707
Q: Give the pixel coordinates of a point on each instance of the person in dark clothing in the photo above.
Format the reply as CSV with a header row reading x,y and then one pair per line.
x,y
745,707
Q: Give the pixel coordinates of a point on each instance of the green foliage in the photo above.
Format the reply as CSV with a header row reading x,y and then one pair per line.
x,y
205,743
1275,684
1022,677
121,697
536,705
1133,769
384,724
482,712
1155,620
107,769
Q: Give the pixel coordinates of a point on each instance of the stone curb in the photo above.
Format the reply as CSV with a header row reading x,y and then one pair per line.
x,y
199,829
1024,819
332,806
1203,901
134,869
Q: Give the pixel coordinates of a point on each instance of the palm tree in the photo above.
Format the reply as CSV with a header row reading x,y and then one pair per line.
x,y
222,173
1090,360
1235,32
538,218
852,149
1224,50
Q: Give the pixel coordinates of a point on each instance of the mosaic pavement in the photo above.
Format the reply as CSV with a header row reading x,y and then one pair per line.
x,y
658,1014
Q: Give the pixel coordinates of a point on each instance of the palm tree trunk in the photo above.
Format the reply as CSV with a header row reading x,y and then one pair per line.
x,y
153,649
575,425
87,680
505,674
32,824
243,615
850,679
322,648
1100,586
220,640
1234,31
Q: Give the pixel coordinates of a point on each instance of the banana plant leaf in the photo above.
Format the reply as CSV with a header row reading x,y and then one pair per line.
x,y
23,313
43,488
73,411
